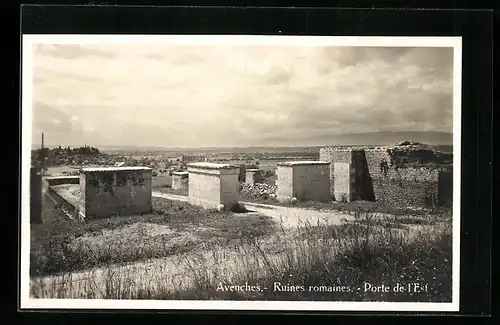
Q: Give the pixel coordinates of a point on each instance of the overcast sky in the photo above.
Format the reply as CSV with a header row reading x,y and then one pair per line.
x,y
190,96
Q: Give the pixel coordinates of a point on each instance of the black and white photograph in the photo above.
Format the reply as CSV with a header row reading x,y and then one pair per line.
x,y
241,172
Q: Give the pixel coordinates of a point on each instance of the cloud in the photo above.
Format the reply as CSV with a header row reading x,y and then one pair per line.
x,y
69,51
233,95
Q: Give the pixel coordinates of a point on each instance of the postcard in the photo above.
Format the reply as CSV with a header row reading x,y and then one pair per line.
x,y
305,173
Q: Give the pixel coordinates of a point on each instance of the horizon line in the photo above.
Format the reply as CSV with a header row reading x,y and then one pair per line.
x,y
226,147
261,146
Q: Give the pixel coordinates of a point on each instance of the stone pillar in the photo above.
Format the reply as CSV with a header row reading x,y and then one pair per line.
x,y
116,191
212,185
344,181
35,195
303,180
241,177
180,180
252,176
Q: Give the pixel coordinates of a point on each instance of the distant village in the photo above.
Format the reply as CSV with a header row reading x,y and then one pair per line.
x,y
91,156
162,163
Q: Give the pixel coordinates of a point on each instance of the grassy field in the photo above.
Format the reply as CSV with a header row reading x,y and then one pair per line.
x,y
161,181
210,252
170,190
61,245
353,207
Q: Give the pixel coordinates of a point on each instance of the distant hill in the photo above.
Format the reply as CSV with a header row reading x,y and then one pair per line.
x,y
389,138
357,139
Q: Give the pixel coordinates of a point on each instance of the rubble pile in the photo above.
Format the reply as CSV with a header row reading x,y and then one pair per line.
x,y
259,190
411,144
408,153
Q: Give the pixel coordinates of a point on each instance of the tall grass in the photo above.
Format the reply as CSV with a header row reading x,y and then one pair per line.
x,y
320,262
57,245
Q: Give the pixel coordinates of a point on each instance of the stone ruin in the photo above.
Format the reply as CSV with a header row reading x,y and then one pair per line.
x,y
407,174
35,195
252,176
103,192
180,181
213,185
115,191
303,180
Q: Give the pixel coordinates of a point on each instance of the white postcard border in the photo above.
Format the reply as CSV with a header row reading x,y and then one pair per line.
x,y
234,40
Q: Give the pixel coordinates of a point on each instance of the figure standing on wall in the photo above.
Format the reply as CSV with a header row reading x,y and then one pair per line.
x,y
384,167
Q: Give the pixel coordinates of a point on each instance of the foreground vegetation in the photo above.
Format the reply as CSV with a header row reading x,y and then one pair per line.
x,y
335,263
354,207
322,262
169,190
61,245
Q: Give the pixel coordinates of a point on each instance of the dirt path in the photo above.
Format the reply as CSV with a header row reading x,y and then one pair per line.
x,y
170,196
289,217
293,217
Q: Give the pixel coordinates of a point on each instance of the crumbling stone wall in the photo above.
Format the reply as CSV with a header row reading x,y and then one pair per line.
x,y
402,184
412,155
408,187
399,175
378,164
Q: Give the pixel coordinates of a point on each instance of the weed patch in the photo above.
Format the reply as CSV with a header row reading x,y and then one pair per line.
x,y
62,245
